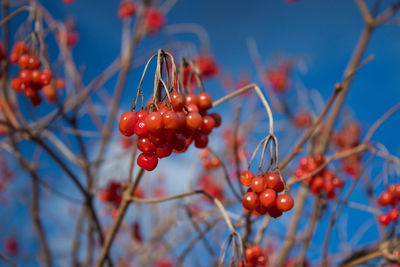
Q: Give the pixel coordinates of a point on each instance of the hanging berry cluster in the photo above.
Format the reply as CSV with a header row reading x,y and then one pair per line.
x,y
30,79
172,128
390,197
279,78
324,182
263,194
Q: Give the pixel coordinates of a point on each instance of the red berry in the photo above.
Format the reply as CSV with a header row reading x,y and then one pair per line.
x,y
154,122
274,212
191,108
145,145
193,120
164,150
385,199
141,129
141,114
246,177
200,140
33,62
36,76
274,181
159,138
394,214
26,76
268,198
171,120
258,184
204,101
384,219
17,84
147,161
217,118
23,61
46,76
127,123
284,202
208,124
191,99
177,100
178,141
250,200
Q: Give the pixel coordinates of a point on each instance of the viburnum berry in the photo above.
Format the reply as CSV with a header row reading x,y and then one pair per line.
x,y
126,9
193,120
164,150
127,123
250,200
204,101
268,198
177,101
246,177
145,145
384,219
33,63
46,76
147,161
208,124
154,122
274,181
140,128
171,120
23,61
200,140
217,119
191,99
284,202
394,214
258,184
385,199
17,84
274,212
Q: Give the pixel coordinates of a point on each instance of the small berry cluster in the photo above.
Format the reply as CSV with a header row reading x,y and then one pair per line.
x,y
112,193
127,9
262,195
209,162
325,181
255,256
172,128
390,197
278,78
154,20
30,79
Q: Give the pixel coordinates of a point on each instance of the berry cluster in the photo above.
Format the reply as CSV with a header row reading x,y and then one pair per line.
x,y
112,193
278,78
302,119
209,162
348,137
127,9
255,256
154,20
325,181
172,128
262,195
30,79
390,197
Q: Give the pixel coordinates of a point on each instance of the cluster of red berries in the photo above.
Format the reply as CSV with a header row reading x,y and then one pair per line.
x,y
127,9
302,119
30,79
172,128
154,20
112,193
255,257
325,181
348,137
208,183
278,78
262,195
390,197
209,162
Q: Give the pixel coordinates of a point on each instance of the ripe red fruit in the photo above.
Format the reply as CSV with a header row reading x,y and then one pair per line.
x,y
26,76
246,177
394,214
204,101
217,118
171,120
141,129
23,61
191,108
126,9
36,100
36,76
191,99
177,100
154,20
261,210
200,140
147,161
274,181
208,124
141,114
154,122
250,200
284,202
268,198
258,184
33,63
193,120
16,84
385,199
384,219
274,212
178,141
164,151
159,138
127,123
145,145
46,76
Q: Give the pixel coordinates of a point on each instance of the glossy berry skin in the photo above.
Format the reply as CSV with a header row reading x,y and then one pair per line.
x,y
171,120
200,140
145,145
217,118
258,184
193,120
191,99
46,76
384,219
127,123
385,199
16,84
164,151
274,212
154,122
33,63
178,141
274,181
23,61
394,214
268,198
204,101
141,129
246,177
147,161
250,201
284,202
141,114
177,100
208,124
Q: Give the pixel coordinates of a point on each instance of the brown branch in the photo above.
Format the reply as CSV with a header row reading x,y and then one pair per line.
x,y
7,259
